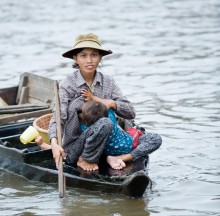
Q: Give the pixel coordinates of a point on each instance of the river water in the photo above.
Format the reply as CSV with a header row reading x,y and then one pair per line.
x,y
166,61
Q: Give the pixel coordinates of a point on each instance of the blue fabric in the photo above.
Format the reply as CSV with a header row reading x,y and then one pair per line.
x,y
119,142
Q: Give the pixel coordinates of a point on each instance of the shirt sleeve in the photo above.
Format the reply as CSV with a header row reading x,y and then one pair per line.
x,y
52,128
66,94
70,125
52,125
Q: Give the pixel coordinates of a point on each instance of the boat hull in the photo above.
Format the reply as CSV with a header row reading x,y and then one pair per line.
x,y
38,165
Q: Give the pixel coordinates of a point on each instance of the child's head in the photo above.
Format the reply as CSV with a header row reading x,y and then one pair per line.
x,y
92,111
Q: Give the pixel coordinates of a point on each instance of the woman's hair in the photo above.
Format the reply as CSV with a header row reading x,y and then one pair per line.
x,y
93,111
75,65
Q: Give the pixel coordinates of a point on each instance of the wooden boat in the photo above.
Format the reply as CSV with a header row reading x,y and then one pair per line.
x,y
38,165
31,98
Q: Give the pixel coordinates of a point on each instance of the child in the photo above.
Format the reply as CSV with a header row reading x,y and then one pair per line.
x,y
119,147
118,143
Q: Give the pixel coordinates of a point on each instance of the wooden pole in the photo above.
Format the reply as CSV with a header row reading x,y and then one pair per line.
x,y
61,179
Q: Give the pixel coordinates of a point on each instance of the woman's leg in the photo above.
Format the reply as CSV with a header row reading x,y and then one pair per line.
x,y
88,147
96,138
147,144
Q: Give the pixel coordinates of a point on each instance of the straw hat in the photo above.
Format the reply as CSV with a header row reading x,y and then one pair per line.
x,y
86,41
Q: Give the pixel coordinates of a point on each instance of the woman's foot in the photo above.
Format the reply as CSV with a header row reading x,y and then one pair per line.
x,y
86,165
115,162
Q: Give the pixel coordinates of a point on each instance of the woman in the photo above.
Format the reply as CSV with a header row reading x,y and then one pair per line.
x,y
86,148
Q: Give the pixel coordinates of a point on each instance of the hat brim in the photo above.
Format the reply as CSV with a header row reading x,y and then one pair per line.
x,y
86,44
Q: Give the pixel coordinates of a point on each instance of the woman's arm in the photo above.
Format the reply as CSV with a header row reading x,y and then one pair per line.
x,y
57,151
65,95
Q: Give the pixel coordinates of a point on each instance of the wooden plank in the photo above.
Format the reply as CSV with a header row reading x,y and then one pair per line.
x,y
22,83
27,115
3,103
32,89
35,80
40,89
21,109
24,95
14,107
9,94
40,94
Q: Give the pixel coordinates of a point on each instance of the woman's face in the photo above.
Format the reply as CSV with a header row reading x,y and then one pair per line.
x,y
88,60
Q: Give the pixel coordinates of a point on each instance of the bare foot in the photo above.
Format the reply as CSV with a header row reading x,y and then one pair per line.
x,y
115,162
87,166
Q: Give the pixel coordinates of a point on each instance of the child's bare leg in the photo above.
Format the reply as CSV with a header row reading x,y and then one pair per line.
x,y
118,162
86,165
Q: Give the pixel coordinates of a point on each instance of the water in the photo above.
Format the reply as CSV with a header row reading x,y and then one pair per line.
x,y
167,52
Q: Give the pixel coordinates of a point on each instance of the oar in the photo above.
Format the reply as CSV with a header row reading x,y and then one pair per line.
x,y
61,179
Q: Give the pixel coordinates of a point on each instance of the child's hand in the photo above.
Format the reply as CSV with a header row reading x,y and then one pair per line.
x,y
39,140
87,94
41,144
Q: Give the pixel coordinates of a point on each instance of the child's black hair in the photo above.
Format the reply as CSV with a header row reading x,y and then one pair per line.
x,y
94,110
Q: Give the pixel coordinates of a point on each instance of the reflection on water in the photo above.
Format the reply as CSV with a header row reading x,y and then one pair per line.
x,y
168,53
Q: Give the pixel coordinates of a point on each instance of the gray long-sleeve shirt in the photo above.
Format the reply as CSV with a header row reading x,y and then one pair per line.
x,y
71,101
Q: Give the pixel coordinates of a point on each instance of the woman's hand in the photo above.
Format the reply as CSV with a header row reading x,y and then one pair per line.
x,y
109,103
57,151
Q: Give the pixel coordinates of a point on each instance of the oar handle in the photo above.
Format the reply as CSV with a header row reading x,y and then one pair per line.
x,y
61,180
